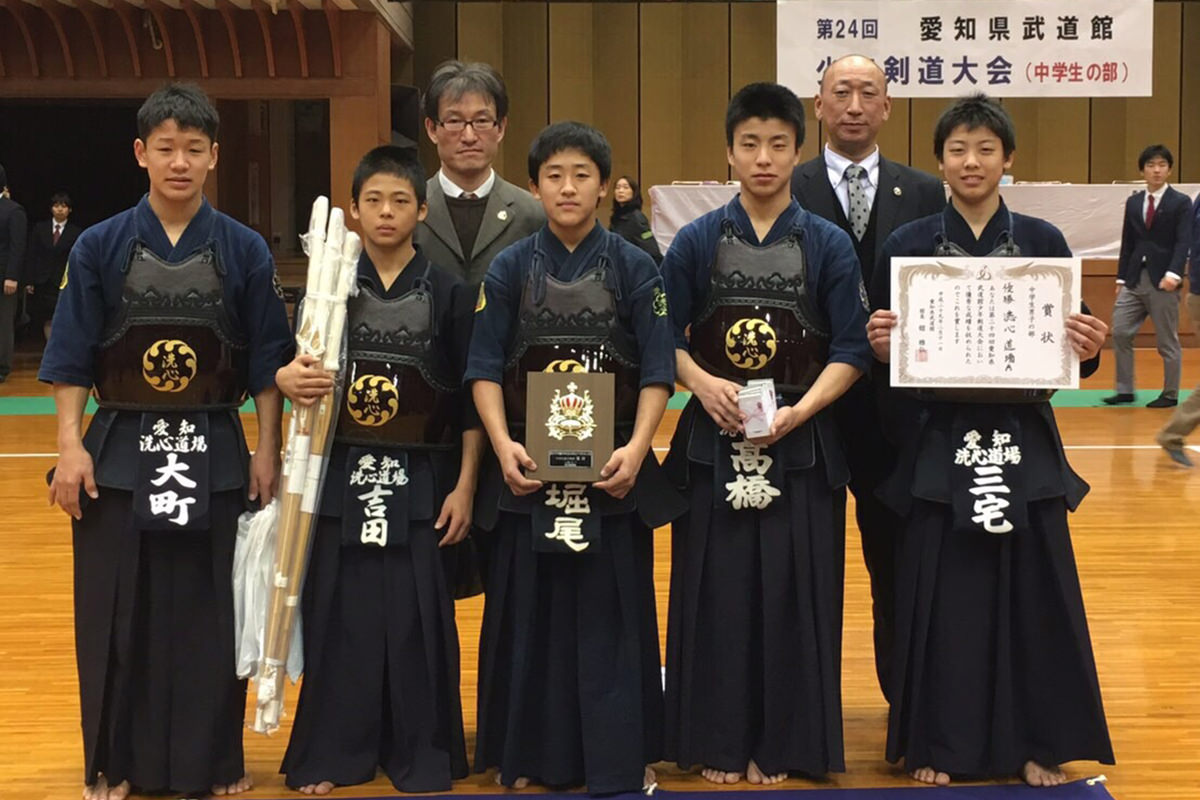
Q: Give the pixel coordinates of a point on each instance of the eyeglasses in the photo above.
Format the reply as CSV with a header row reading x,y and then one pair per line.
x,y
480,124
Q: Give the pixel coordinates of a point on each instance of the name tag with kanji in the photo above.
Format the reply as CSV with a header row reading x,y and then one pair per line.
x,y
172,485
745,471
987,483
563,521
375,505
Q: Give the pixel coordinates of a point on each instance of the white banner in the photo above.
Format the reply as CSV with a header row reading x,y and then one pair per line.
x,y
947,48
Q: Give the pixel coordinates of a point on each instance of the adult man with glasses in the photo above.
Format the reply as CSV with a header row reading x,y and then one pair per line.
x,y
473,212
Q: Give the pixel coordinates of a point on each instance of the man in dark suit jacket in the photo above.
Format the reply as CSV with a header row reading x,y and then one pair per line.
x,y
12,263
868,196
1154,251
49,245
473,212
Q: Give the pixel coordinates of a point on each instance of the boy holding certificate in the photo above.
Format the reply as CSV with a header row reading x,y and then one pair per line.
x,y
993,669
769,292
570,687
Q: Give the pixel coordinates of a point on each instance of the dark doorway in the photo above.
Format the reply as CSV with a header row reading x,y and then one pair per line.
x,y
81,147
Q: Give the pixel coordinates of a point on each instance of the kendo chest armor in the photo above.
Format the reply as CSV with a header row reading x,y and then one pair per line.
x,y
398,391
572,327
172,345
1006,247
760,319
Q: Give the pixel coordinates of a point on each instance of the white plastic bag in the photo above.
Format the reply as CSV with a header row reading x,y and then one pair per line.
x,y
253,558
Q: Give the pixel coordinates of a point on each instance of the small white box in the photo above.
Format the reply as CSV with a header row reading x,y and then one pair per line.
x,y
757,402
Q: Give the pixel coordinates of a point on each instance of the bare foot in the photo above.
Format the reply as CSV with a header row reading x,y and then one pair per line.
x,y
242,785
519,783
1035,774
720,776
649,780
931,776
324,787
757,776
100,790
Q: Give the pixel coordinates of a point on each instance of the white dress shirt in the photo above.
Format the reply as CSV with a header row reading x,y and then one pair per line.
x,y
835,166
452,189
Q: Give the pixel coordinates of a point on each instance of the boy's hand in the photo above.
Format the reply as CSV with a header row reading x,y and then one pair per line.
x,y
720,399
512,457
74,469
621,471
787,419
1087,334
303,381
879,334
455,518
264,476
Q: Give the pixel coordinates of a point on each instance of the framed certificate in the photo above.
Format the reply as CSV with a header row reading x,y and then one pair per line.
x,y
984,322
569,424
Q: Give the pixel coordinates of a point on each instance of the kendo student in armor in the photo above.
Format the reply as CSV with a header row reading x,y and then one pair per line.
x,y
570,688
172,315
770,291
993,673
381,663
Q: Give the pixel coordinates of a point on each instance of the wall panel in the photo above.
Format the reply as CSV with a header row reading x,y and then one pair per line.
x,y
1052,138
1188,163
527,73
437,41
1124,126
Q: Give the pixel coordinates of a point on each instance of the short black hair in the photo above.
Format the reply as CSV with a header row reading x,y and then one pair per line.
x,y
388,159
1156,151
975,111
570,136
60,197
183,102
453,79
765,101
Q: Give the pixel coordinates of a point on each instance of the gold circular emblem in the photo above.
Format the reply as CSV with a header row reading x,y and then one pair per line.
x,y
565,365
372,400
750,343
169,365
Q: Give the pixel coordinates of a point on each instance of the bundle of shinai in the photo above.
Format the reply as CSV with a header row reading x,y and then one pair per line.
x,y
267,592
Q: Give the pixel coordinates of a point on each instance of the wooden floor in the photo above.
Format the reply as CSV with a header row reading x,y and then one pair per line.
x,y
1136,537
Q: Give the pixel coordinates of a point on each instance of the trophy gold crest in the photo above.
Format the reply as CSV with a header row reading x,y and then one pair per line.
x,y
571,414
372,400
169,365
750,343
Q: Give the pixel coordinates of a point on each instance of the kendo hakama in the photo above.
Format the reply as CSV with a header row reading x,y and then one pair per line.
x,y
993,662
381,661
161,704
755,621
570,688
